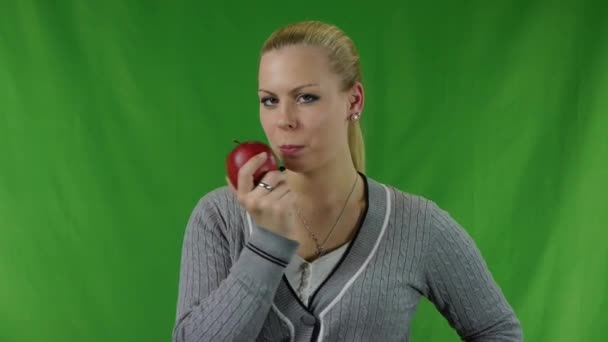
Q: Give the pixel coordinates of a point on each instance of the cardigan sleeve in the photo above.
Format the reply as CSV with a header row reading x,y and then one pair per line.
x,y
217,300
460,285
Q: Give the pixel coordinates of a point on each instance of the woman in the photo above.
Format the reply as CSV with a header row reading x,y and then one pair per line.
x,y
321,251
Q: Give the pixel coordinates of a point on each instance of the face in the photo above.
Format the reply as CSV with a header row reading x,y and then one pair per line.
x,y
301,103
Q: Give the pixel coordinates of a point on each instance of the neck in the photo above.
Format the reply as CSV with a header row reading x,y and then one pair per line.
x,y
324,191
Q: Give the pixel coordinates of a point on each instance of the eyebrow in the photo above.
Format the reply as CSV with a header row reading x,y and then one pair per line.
x,y
293,90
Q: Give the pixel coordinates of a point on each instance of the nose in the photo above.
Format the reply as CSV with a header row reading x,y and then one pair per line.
x,y
287,118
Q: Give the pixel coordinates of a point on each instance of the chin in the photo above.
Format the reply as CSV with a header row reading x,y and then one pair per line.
x,y
293,166
305,166
298,166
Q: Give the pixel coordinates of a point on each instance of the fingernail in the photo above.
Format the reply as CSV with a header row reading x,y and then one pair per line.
x,y
262,155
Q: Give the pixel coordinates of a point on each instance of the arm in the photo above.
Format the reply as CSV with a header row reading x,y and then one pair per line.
x,y
218,301
461,287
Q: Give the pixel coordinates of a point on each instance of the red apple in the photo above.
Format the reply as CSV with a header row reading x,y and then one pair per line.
x,y
242,153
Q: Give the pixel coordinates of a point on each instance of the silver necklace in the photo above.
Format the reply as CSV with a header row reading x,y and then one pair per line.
x,y
320,249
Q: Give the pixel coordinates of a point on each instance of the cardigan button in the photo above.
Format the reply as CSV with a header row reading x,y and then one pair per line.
x,y
308,320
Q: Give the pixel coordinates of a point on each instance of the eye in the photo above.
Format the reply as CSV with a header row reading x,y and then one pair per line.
x,y
307,98
267,101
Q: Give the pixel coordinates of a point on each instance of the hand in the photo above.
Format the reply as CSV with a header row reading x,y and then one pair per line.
x,y
272,210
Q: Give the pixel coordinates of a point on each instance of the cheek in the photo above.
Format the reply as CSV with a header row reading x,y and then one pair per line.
x,y
265,122
326,129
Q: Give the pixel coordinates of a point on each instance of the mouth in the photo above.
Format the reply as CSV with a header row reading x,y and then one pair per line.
x,y
291,149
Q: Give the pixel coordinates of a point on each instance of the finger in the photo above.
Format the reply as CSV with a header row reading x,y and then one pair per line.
x,y
285,195
245,179
269,199
272,178
261,191
289,199
278,192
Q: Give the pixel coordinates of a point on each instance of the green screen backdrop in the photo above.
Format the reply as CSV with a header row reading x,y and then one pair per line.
x,y
116,117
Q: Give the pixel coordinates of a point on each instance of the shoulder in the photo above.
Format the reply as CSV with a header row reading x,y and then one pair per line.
x,y
219,201
218,212
437,222
410,203
442,235
425,211
219,197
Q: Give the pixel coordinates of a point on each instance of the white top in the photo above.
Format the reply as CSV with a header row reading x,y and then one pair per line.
x,y
305,277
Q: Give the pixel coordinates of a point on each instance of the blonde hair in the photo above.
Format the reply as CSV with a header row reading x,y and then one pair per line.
x,y
343,59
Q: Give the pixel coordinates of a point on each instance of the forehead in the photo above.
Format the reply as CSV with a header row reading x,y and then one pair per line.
x,y
292,66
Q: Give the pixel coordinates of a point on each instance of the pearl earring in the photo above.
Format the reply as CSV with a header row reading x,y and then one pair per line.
x,y
356,116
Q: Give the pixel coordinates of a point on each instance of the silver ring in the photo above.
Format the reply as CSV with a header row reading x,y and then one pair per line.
x,y
265,186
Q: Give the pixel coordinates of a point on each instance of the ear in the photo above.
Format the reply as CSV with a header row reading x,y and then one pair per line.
x,y
356,99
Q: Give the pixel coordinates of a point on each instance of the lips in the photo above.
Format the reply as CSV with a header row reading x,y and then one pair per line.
x,y
290,149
